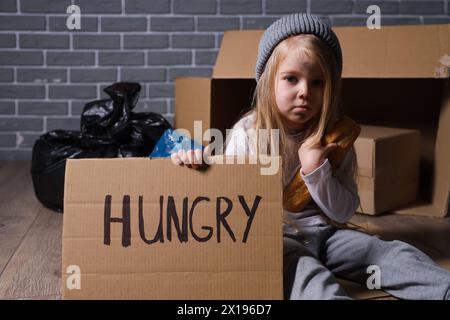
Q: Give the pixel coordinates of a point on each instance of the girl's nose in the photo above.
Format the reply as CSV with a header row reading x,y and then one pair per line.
x,y
303,89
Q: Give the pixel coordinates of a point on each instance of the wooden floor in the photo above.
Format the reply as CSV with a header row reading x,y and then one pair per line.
x,y
30,238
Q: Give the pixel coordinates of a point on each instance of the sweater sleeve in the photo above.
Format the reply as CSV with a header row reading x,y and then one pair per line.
x,y
237,143
336,193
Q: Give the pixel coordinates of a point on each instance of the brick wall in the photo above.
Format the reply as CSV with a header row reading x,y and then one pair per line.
x,y
48,73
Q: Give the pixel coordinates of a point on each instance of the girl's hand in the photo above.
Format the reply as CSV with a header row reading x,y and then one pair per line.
x,y
192,159
313,155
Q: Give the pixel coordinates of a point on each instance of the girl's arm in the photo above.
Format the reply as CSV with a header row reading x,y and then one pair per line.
x,y
237,143
336,193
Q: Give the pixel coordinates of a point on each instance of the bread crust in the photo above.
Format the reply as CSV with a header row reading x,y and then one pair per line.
x,y
344,132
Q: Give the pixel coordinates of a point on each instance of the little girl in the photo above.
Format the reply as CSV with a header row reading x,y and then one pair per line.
x,y
298,74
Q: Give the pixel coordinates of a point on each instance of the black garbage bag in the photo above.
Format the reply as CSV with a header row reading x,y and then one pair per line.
x,y
48,163
109,129
113,115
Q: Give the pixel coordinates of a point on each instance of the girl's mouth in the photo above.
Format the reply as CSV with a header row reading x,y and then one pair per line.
x,y
300,109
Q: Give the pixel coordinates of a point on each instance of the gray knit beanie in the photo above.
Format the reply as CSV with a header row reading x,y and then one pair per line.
x,y
291,25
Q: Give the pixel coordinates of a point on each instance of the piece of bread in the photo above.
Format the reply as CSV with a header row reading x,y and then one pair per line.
x,y
344,132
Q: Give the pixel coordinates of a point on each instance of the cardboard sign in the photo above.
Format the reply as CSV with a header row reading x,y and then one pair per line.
x,y
142,228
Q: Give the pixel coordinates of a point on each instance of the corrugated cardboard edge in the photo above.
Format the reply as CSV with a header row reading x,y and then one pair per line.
x,y
237,54
195,94
441,192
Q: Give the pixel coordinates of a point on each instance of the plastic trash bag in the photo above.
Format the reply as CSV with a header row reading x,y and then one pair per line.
x,y
109,129
111,116
171,142
48,164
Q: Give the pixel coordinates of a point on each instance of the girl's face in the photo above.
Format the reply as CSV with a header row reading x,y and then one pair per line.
x,y
299,88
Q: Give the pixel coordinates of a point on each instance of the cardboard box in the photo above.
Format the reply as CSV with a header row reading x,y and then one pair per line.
x,y
138,228
388,168
219,101
396,76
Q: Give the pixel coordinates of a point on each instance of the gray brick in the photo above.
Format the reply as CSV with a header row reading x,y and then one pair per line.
x,y
99,6
386,7
8,140
19,123
70,58
44,6
393,21
63,123
27,140
145,6
422,7
189,72
171,105
193,41
330,6
93,75
194,7
123,24
257,22
285,6
72,92
240,6
93,41
169,57
156,106
21,58
121,58
50,41
218,24
8,6
22,23
436,20
15,154
7,40
160,90
76,107
87,24
7,107
172,24
146,41
6,75
15,91
43,108
203,57
350,21
143,74
41,75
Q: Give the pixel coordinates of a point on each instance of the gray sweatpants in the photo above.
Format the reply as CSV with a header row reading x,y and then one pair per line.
x,y
313,257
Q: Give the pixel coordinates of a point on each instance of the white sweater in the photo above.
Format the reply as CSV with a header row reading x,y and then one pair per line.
x,y
333,193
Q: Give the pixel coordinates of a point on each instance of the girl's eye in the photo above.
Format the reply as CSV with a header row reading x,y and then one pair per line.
x,y
291,79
